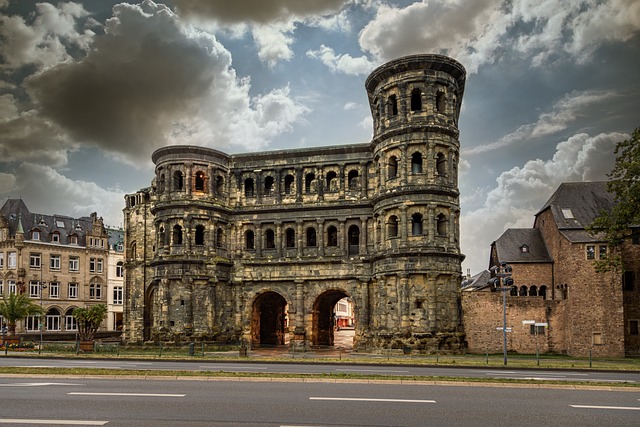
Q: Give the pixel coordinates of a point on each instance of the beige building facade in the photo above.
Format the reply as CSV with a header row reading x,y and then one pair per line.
x,y
260,247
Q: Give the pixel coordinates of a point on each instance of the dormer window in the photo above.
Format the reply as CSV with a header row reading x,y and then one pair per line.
x,y
567,214
35,235
73,239
524,249
42,223
55,237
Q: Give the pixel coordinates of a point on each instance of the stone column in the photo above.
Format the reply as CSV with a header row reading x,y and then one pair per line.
x,y
341,183
278,186
320,239
343,239
299,327
404,164
299,184
403,226
403,299
278,239
300,237
188,179
258,239
364,180
363,235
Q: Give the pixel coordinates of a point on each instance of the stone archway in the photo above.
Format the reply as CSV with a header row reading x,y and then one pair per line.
x,y
268,320
323,317
149,310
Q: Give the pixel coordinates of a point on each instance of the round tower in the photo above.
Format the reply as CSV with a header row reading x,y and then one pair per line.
x,y
415,103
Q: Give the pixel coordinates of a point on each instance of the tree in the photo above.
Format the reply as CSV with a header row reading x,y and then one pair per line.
x,y
16,307
89,320
624,184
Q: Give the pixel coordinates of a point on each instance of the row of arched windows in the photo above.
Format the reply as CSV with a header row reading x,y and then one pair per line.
x,y
199,236
200,179
415,102
416,225
530,291
416,165
310,238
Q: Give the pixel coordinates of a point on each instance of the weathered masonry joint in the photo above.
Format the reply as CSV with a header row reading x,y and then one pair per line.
x,y
259,247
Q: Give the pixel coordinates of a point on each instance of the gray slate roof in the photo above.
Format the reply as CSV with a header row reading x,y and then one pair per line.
x,y
477,282
509,246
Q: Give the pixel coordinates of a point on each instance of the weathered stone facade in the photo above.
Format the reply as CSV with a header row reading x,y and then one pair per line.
x,y
556,282
260,247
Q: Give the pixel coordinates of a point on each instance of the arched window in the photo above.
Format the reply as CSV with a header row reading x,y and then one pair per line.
x,y
514,291
441,102
219,185
416,100
533,291
70,322
332,236
53,319
95,290
392,226
219,237
416,224
290,238
311,236
133,250
199,184
308,182
178,181
393,167
161,236
441,164
248,187
354,240
288,184
523,291
176,236
120,269
543,292
441,224
332,181
249,240
200,235
269,239
416,163
392,106
268,186
353,179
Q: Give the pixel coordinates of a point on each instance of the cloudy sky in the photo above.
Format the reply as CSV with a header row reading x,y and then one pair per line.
x,y
89,89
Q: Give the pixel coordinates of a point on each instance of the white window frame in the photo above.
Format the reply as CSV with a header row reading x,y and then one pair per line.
x,y
54,262
32,323
35,235
11,286
1,259
12,260
52,322
92,265
99,265
95,291
34,289
55,238
74,263
35,260
70,323
73,290
54,290
118,295
120,269
1,289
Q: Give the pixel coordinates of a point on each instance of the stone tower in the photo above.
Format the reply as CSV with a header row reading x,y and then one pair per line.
x,y
261,246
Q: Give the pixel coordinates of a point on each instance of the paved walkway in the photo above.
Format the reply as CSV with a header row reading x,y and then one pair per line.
x,y
342,345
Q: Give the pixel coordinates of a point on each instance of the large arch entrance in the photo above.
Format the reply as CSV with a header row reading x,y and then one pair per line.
x,y
268,320
149,310
325,321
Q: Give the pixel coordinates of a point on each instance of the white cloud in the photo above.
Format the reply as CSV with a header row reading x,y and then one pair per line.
x,y
43,43
342,63
563,112
61,195
522,191
274,42
149,81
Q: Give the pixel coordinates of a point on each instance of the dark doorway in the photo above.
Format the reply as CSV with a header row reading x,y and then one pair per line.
x,y
268,320
324,321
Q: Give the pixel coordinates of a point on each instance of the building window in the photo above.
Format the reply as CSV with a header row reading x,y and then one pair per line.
x,y
543,292
70,323
1,259
35,235
248,188
591,252
54,262
55,238
11,260
416,163
53,320
633,327
199,184
1,290
308,183
176,236
416,100
118,293
392,106
536,330
199,235
32,323
290,237
441,225
268,186
441,165
332,236
635,236
416,224
219,185
74,263
393,167
441,102
92,265
353,179
249,240
602,251
34,260
627,281
220,238
73,290
34,289
332,182
270,239
95,291
54,290
178,180
11,285
288,184
73,239
119,269
354,240
311,236
392,226
597,338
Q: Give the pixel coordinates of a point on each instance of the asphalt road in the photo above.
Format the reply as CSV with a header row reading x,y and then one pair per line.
x,y
377,369
127,402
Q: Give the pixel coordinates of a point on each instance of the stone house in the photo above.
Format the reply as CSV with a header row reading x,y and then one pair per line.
x,y
58,261
260,247
555,283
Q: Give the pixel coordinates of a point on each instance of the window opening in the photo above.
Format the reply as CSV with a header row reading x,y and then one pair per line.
x,y
332,181
178,181
249,240
442,225
441,102
441,164
393,167
354,240
199,184
311,236
392,226
353,179
248,187
416,163
199,235
288,184
270,239
416,224
268,186
416,100
308,182
177,235
290,237
393,106
332,236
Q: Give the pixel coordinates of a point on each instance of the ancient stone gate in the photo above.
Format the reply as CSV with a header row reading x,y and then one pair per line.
x,y
259,247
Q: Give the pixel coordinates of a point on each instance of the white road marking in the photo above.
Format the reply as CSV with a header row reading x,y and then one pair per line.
x,y
53,422
628,408
36,384
79,393
253,368
370,370
366,399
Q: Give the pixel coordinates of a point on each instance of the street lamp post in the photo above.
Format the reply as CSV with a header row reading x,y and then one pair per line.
x,y
503,272
42,286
